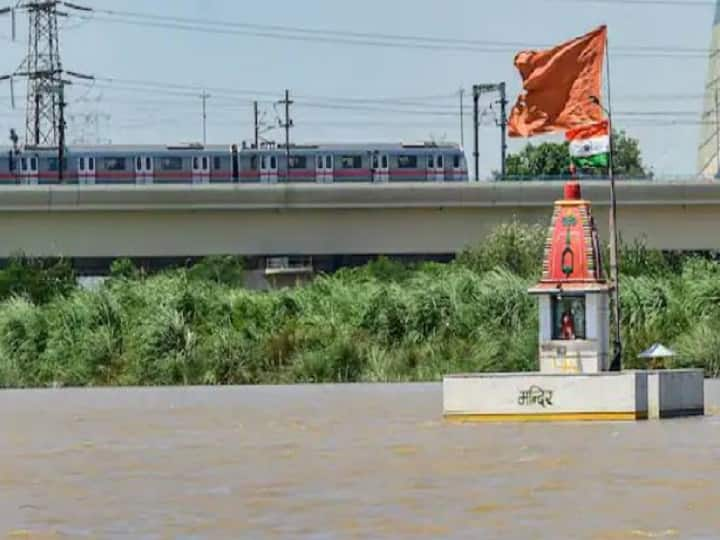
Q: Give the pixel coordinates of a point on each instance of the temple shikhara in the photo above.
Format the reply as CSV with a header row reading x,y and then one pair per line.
x,y
573,294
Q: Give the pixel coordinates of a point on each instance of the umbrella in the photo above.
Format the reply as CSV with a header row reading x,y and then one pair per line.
x,y
657,351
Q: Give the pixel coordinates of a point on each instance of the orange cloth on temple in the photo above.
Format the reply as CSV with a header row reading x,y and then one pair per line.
x,y
557,86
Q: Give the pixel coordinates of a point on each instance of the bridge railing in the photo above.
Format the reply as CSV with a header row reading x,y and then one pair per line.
x,y
657,178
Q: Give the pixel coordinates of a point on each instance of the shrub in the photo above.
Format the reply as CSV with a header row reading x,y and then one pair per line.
x,y
513,246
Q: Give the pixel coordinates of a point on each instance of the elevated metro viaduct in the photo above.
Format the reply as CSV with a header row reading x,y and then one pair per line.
x,y
336,224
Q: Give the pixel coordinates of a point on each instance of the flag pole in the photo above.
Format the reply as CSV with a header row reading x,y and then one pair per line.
x,y
616,364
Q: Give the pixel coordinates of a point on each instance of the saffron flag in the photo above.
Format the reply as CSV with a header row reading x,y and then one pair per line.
x,y
590,145
557,86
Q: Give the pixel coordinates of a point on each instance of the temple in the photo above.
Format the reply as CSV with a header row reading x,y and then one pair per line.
x,y
573,381
573,294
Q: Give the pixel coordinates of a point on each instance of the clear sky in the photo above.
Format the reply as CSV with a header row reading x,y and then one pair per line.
x,y
323,75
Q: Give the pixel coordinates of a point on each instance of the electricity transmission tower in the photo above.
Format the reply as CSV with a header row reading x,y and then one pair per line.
x,y
45,98
90,126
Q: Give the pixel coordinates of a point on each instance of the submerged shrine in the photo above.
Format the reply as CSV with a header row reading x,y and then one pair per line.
x,y
574,381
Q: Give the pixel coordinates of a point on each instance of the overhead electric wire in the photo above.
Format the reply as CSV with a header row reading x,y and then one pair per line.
x,y
362,38
358,105
197,90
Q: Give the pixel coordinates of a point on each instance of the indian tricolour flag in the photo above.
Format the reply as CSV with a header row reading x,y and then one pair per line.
x,y
590,145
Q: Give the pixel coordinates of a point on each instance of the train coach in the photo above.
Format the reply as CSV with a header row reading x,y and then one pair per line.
x,y
197,164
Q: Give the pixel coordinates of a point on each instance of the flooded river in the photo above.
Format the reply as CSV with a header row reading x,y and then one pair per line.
x,y
337,462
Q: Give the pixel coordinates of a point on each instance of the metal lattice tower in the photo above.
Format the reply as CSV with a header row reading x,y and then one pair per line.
x,y
45,105
43,69
709,147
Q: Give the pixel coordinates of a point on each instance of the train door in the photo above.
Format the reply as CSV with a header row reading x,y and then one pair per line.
x,y
319,169
86,170
381,168
457,168
268,169
329,169
435,168
324,168
144,170
29,170
439,168
201,170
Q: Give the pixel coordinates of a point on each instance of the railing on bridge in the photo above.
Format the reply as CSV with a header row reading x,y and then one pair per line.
x,y
655,178
289,265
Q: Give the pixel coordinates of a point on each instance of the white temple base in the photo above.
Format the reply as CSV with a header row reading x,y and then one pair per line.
x,y
527,397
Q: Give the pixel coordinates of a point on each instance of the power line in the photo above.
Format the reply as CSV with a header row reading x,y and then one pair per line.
x,y
374,39
185,90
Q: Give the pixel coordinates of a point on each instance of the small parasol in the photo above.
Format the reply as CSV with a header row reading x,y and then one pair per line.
x,y
657,351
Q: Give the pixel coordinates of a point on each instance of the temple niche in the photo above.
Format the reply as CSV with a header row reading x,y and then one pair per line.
x,y
573,294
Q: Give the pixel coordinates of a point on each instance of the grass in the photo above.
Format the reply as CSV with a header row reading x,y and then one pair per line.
x,y
383,322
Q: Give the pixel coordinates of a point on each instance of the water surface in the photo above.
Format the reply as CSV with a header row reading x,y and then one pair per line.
x,y
336,462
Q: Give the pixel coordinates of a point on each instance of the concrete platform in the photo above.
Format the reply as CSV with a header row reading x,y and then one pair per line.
x,y
529,397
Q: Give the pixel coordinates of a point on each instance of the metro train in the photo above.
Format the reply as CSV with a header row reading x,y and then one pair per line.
x,y
198,164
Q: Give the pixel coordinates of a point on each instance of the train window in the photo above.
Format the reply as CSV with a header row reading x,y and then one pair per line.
x,y
196,163
91,164
440,162
253,163
82,164
319,162
205,163
298,162
23,164
217,164
328,162
33,164
384,162
407,162
148,163
53,164
430,162
263,163
350,162
273,163
138,164
171,164
456,162
376,162
115,164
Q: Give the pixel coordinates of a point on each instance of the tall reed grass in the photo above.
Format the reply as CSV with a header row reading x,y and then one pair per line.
x,y
383,322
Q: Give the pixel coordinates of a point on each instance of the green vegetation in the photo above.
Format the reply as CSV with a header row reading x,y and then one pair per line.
x,y
382,322
552,160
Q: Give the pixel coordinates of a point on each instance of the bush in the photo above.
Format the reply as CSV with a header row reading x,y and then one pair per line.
x,y
700,347
513,246
384,322
37,279
226,270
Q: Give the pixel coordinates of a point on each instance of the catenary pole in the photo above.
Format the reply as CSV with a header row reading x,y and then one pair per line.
x,y
717,130
256,123
462,118
476,129
204,97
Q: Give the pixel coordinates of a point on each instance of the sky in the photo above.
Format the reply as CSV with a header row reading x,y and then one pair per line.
x,y
364,92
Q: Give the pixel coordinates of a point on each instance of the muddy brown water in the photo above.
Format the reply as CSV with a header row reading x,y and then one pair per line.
x,y
336,462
